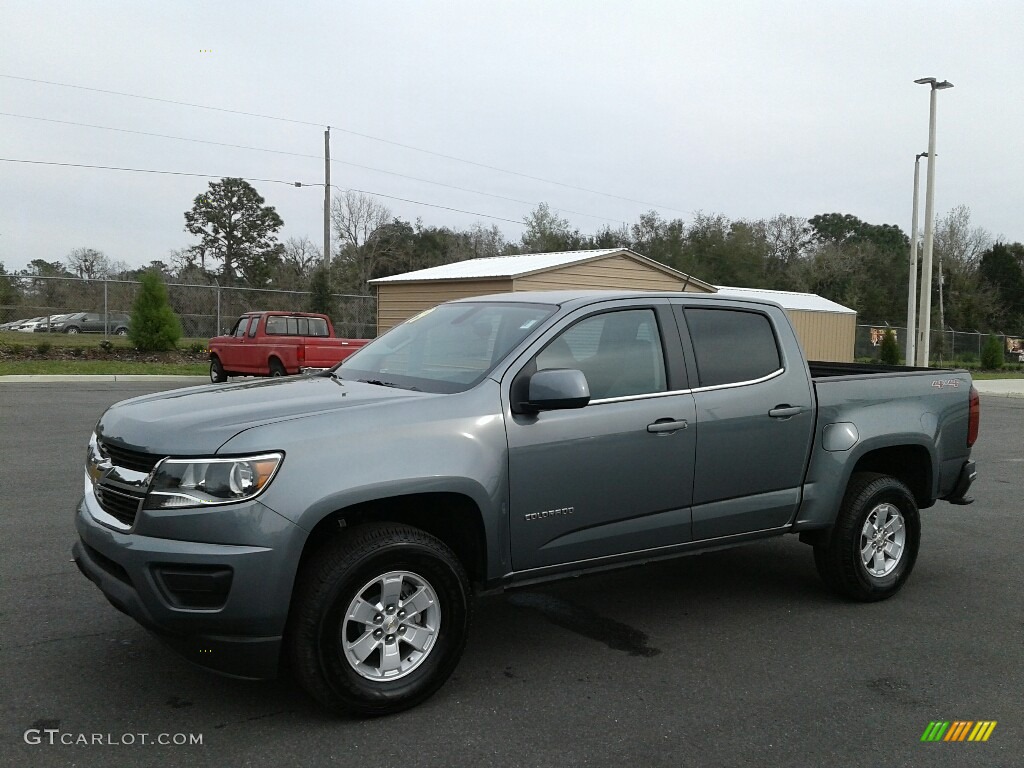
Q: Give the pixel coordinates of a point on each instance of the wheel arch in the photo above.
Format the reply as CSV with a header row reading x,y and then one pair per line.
x,y
911,464
453,518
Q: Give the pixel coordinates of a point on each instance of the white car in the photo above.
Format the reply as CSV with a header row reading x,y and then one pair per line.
x,y
28,326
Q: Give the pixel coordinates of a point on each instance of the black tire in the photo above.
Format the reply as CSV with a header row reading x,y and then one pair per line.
x,y
841,559
122,331
277,368
217,373
71,329
320,620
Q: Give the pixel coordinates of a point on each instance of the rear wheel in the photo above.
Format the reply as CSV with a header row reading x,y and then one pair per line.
x,y
277,367
379,619
71,329
874,543
217,373
122,331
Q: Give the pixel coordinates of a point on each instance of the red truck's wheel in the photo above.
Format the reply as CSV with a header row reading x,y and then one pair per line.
x,y
379,619
217,373
874,543
277,367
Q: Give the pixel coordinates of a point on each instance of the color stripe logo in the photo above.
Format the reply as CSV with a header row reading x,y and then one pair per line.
x,y
959,730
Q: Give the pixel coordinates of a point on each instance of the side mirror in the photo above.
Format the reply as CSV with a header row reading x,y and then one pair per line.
x,y
557,389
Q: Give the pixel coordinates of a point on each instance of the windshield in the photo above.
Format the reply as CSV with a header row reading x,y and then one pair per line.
x,y
446,349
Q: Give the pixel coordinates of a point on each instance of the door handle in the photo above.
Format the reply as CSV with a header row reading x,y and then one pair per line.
x,y
785,411
667,426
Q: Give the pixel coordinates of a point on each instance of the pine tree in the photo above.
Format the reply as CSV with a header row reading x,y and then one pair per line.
x,y
154,326
992,354
320,299
890,349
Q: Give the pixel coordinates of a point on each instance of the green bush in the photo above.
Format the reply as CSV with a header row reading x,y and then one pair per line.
x,y
992,354
197,348
890,349
320,299
107,345
43,347
154,326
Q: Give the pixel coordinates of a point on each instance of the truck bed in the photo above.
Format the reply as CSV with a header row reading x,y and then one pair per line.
x,y
823,370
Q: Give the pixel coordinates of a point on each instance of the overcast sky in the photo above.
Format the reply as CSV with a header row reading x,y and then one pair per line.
x,y
743,108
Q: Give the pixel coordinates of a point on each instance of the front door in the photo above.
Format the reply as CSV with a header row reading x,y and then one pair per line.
x,y
617,475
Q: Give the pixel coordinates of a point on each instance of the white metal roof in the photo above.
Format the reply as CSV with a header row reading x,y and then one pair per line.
x,y
810,302
502,266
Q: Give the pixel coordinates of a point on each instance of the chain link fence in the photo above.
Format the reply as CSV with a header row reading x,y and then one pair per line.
x,y
204,310
944,346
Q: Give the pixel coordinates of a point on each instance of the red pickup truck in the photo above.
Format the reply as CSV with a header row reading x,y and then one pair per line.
x,y
277,344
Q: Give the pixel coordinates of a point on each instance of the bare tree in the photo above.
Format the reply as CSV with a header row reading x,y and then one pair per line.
x,y
88,263
356,217
301,255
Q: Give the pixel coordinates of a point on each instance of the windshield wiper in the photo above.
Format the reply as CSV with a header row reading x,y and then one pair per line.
x,y
391,384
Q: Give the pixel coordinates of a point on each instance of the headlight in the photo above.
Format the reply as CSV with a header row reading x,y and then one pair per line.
x,y
179,483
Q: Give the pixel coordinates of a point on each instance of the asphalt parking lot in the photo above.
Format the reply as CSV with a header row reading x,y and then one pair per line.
x,y
732,658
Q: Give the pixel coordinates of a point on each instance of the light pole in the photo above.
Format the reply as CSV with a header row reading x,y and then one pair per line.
x,y
912,290
925,323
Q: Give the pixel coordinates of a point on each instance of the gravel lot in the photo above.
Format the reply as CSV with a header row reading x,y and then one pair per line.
x,y
734,658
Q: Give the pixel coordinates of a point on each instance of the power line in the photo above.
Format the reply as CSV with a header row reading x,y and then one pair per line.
x,y
295,154
349,132
250,178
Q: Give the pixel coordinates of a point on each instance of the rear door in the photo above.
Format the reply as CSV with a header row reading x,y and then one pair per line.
x,y
755,417
615,476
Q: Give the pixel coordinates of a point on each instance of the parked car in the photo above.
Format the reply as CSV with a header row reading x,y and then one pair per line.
x,y
116,323
28,326
50,325
277,344
340,522
11,325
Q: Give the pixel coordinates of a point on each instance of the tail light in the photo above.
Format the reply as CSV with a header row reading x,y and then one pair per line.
x,y
974,419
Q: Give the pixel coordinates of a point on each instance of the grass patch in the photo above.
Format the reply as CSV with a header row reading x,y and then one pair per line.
x,y
98,367
997,375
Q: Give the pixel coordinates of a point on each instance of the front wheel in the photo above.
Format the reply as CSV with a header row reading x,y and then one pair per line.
x,y
379,619
874,543
217,373
71,329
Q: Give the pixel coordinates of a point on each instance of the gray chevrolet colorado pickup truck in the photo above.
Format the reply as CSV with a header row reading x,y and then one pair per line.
x,y
339,523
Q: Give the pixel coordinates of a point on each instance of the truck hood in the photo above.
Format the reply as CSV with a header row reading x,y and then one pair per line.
x,y
196,421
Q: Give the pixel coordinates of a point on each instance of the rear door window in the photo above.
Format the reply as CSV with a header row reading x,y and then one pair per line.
x,y
732,346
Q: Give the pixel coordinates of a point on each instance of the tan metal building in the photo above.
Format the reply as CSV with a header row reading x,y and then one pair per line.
x,y
825,329
399,297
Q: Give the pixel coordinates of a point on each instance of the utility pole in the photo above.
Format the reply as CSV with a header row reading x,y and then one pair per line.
x,y
327,200
912,292
925,323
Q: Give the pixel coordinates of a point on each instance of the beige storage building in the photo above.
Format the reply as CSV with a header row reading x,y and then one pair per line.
x,y
826,329
399,297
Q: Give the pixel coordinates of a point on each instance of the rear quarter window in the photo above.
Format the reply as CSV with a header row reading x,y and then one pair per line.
x,y
732,346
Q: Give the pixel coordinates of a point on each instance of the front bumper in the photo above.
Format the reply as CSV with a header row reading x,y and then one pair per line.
x,y
239,631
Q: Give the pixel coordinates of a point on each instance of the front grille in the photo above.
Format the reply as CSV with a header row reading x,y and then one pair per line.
x,y
129,459
122,505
